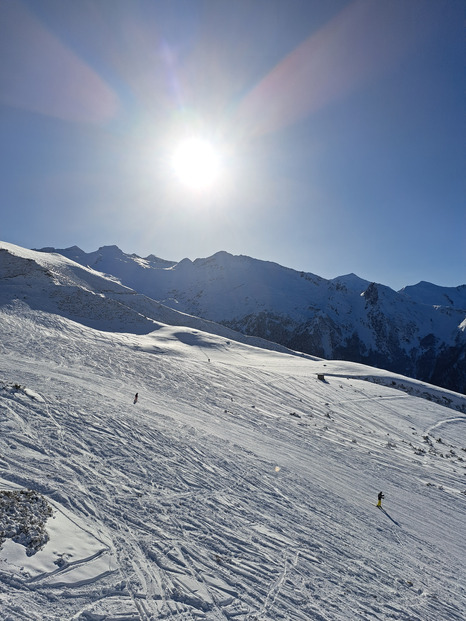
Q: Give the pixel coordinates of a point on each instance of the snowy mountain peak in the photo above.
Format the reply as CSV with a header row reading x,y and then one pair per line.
x,y
435,295
351,281
343,318
52,283
157,261
111,249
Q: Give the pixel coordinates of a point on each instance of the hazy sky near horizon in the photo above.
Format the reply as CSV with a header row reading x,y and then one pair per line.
x,y
340,126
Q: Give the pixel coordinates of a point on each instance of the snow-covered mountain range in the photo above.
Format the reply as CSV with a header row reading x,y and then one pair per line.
x,y
419,331
240,486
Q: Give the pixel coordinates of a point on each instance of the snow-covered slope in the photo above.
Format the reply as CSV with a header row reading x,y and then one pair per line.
x,y
52,283
418,331
239,486
221,287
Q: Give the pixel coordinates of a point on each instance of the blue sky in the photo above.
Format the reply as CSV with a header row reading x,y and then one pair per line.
x,y
340,126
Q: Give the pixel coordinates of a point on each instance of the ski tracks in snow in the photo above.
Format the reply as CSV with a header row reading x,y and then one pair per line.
x,y
220,505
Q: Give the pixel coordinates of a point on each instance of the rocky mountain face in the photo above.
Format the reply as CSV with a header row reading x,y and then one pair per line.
x,y
419,331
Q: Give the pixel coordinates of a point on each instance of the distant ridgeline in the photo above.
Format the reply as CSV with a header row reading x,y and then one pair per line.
x,y
419,331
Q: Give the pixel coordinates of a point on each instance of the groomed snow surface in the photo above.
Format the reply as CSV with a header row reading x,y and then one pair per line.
x,y
240,487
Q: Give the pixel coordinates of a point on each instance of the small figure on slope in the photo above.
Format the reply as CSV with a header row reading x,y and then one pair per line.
x,y
136,398
380,496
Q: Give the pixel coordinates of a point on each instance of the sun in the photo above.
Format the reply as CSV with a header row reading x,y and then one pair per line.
x,y
196,163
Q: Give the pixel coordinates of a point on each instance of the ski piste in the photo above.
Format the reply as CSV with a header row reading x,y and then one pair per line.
x,y
212,466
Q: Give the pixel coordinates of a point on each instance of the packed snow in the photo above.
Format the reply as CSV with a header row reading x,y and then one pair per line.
x,y
239,487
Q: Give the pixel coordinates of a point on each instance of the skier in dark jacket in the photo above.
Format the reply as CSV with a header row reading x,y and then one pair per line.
x,y
380,496
136,398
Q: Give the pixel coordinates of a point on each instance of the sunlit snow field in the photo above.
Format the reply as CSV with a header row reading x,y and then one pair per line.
x,y
240,486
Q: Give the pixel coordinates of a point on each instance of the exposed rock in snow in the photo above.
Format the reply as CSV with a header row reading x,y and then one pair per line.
x,y
23,515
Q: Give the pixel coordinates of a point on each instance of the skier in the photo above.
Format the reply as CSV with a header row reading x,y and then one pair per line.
x,y
380,496
136,398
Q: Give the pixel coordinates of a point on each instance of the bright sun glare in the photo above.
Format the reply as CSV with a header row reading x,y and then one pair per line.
x,y
196,163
